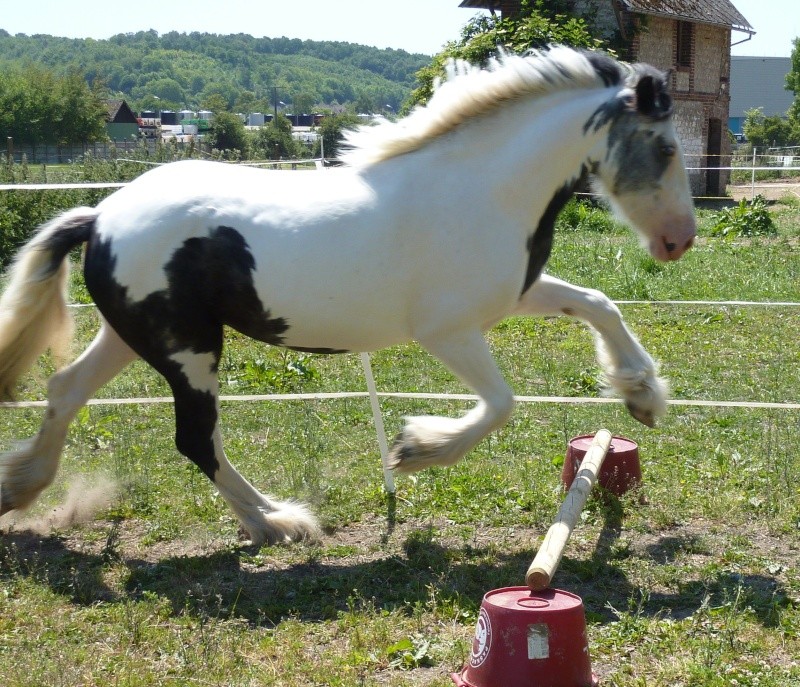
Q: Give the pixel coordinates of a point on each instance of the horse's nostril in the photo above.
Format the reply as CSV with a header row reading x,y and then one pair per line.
x,y
669,246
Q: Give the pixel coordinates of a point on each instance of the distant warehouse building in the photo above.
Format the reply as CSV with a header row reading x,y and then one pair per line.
x,y
758,82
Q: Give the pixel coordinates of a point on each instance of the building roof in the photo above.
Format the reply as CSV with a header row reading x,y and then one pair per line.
x,y
119,112
720,12
504,6
760,82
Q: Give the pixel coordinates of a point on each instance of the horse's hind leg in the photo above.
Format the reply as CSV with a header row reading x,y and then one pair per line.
x,y
26,471
627,367
193,378
427,440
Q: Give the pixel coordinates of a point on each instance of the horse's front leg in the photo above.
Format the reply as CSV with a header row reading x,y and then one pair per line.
x,y
628,369
427,440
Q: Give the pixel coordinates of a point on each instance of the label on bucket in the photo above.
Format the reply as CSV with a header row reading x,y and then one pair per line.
x,y
482,642
538,641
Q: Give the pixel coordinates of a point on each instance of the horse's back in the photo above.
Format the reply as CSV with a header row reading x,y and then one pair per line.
x,y
291,257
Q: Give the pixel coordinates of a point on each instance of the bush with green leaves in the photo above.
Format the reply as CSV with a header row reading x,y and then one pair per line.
x,y
584,215
748,218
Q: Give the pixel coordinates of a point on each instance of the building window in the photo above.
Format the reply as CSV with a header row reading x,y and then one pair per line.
x,y
683,57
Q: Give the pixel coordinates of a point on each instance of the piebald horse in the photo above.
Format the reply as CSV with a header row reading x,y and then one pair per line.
x,y
437,227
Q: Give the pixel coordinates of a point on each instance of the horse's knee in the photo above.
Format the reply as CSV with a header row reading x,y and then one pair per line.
x,y
602,306
503,407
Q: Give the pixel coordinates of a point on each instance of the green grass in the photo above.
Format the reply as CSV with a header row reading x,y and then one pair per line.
x,y
696,584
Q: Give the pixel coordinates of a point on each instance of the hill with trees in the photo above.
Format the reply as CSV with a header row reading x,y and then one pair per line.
x,y
238,72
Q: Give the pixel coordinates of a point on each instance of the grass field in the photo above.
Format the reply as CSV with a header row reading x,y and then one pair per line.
x,y
692,582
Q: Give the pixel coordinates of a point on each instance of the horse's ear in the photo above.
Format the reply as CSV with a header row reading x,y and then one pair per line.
x,y
652,99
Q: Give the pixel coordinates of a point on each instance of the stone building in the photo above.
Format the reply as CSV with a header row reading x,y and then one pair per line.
x,y
691,39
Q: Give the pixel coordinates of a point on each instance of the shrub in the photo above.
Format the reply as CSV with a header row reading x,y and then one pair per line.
x,y
584,215
745,219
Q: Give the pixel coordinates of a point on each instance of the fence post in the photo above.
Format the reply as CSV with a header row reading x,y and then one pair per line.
x,y
753,178
377,418
9,150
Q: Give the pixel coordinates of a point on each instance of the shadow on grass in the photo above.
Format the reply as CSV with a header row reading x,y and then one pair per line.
x,y
424,574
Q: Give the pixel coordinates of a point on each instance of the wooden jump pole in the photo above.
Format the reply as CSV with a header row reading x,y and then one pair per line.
x,y
544,566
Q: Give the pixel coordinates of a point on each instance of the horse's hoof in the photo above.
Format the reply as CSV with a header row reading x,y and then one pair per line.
x,y
398,453
646,417
405,457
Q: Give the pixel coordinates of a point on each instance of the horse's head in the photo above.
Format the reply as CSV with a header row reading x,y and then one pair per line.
x,y
642,171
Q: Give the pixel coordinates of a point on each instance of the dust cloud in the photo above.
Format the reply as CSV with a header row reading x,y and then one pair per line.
x,y
85,498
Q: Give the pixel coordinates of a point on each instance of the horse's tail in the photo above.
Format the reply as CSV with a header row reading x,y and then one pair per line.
x,y
33,309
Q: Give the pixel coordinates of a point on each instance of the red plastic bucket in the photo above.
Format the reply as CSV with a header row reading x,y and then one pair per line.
x,y
620,472
529,639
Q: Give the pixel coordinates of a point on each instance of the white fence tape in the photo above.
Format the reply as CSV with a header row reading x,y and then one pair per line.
x,y
333,395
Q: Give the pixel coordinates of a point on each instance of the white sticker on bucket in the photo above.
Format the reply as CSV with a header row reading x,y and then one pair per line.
x,y
538,641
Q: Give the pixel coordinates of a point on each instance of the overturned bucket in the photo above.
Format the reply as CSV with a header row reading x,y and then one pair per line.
x,y
621,470
529,639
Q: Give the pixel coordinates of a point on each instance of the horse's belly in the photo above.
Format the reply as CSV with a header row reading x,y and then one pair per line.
x,y
323,324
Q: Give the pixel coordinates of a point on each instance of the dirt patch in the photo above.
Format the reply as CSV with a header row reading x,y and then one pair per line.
x,y
605,563
771,190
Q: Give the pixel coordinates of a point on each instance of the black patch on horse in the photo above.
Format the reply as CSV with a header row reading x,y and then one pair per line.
x,y
606,68
69,235
210,284
607,112
640,157
215,274
540,243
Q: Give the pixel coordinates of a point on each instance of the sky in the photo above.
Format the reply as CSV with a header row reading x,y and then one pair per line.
x,y
421,26
776,22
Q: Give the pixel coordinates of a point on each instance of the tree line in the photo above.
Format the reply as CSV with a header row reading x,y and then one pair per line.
x,y
39,107
177,70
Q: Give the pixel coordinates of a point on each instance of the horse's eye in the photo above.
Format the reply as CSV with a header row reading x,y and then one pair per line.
x,y
667,150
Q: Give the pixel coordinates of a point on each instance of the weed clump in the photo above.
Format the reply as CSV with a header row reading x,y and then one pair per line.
x,y
584,215
748,218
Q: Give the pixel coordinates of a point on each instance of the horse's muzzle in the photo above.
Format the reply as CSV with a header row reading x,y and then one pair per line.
x,y
673,244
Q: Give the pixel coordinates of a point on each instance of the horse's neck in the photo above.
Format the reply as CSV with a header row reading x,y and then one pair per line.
x,y
543,142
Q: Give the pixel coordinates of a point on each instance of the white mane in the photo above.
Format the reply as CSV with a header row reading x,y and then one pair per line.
x,y
469,91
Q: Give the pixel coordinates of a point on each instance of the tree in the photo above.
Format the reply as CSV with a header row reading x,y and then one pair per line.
x,y
764,131
274,140
82,112
538,24
332,131
793,83
169,92
37,107
214,103
227,133
303,103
